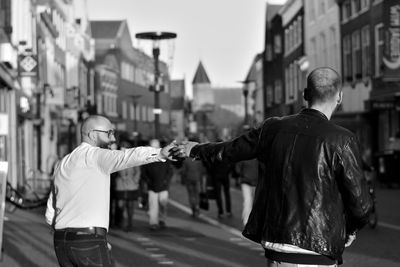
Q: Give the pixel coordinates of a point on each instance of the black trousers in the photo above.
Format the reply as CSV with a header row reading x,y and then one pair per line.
x,y
222,185
76,249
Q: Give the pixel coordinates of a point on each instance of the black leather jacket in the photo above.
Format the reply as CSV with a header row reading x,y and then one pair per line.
x,y
311,191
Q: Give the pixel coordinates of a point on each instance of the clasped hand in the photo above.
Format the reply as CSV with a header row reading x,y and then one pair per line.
x,y
178,150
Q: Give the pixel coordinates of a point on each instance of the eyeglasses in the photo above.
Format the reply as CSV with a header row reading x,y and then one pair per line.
x,y
109,133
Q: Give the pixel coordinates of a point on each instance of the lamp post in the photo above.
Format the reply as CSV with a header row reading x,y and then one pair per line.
x,y
156,37
246,89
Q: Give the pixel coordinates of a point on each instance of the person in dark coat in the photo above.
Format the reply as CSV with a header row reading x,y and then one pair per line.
x,y
220,173
311,197
157,177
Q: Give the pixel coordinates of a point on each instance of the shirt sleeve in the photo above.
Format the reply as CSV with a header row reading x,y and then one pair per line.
x,y
115,160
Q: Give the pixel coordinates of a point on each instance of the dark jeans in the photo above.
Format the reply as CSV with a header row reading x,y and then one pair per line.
x,y
81,249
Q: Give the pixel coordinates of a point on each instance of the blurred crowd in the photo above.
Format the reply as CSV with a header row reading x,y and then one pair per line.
x,y
147,187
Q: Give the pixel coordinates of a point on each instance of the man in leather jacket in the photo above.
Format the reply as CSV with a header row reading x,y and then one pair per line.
x,y
311,197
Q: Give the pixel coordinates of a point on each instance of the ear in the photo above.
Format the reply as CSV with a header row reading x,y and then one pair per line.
x,y
340,98
92,135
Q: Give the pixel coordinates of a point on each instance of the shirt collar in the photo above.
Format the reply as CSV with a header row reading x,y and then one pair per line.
x,y
314,112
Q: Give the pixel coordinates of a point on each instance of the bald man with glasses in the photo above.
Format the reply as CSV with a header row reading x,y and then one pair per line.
x,y
78,206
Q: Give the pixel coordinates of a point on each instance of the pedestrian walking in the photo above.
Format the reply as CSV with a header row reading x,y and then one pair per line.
x,y
127,191
157,176
311,197
78,206
247,171
219,174
194,176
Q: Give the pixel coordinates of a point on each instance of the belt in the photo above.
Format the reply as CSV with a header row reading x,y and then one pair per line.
x,y
87,230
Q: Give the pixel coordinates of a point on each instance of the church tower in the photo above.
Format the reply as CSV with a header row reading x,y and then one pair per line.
x,y
202,91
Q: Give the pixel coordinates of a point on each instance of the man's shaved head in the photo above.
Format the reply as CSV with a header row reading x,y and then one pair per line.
x,y
95,122
322,85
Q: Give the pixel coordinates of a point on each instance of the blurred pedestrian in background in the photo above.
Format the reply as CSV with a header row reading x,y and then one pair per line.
x,y
127,192
247,172
157,177
194,176
311,196
220,173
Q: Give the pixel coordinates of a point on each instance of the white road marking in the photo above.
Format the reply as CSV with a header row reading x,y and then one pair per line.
x,y
389,225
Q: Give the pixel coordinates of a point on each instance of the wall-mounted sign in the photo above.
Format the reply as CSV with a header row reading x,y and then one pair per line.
x,y
391,52
27,64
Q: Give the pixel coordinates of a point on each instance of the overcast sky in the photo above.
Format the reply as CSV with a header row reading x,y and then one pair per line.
x,y
224,34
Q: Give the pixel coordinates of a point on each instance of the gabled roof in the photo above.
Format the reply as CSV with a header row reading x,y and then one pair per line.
x,y
105,29
201,75
272,10
251,75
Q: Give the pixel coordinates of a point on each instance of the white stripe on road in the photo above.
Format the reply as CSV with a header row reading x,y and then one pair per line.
x,y
390,226
229,229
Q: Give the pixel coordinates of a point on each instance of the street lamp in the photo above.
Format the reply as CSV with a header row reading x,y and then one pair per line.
x,y
246,89
156,37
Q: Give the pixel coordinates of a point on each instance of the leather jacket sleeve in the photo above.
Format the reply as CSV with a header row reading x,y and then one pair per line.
x,y
241,148
356,199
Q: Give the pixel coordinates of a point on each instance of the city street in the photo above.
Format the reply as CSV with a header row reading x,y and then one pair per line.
x,y
195,242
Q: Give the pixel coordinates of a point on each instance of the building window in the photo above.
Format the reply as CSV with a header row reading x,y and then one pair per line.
x,y
346,10
295,33
287,82
268,53
321,7
356,55
366,51
127,71
364,5
292,83
300,25
132,113
291,39
286,40
278,92
312,9
355,6
313,52
378,49
324,51
334,50
124,110
277,44
347,68
269,96
144,113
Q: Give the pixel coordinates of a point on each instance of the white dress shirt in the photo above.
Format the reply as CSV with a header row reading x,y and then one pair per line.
x,y
82,184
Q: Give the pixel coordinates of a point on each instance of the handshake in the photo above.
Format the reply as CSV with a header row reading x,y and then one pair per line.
x,y
177,150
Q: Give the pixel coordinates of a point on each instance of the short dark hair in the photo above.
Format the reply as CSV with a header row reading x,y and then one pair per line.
x,y
322,85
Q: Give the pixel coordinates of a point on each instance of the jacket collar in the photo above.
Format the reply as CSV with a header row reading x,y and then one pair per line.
x,y
314,113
